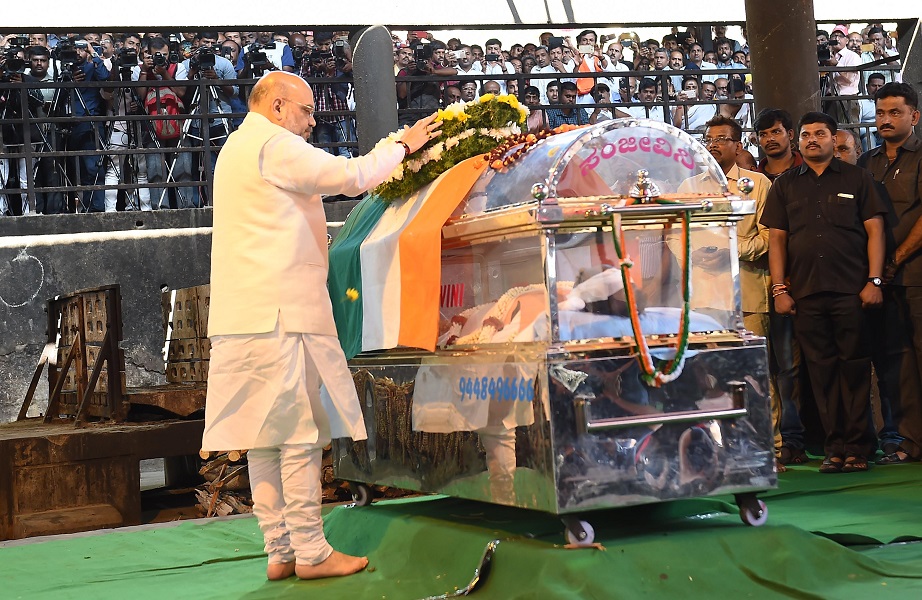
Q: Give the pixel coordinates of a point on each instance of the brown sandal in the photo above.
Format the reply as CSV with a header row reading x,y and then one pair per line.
x,y
832,464
855,463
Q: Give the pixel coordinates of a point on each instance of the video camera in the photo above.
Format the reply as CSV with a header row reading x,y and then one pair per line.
x,y
176,50
12,63
339,48
823,53
298,53
256,58
421,51
19,41
203,58
126,58
66,51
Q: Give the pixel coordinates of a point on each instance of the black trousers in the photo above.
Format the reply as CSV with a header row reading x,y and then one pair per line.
x,y
833,335
906,406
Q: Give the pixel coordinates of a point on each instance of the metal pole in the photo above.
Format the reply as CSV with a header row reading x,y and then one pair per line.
x,y
375,91
910,46
782,46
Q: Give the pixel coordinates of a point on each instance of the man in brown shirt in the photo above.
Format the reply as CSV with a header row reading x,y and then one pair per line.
x,y
897,164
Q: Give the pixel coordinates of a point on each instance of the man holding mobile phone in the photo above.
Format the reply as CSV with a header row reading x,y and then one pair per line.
x,y
879,51
494,64
590,59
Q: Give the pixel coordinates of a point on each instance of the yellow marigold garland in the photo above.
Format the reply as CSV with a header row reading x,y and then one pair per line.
x,y
467,130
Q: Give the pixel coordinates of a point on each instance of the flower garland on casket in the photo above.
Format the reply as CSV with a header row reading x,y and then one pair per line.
x,y
468,129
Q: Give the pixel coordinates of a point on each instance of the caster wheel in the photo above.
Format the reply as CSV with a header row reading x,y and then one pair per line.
x,y
573,537
754,514
361,493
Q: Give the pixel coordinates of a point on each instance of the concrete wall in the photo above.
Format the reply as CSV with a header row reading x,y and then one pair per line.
x,y
42,256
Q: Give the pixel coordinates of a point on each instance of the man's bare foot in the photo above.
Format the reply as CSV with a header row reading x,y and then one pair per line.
x,y
277,571
336,565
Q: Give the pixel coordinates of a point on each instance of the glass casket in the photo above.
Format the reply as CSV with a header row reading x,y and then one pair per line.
x,y
591,351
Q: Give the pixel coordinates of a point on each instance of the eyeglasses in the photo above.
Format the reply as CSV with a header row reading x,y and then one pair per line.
x,y
720,139
308,110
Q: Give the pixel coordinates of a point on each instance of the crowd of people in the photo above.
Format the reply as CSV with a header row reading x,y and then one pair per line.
x,y
828,275
147,160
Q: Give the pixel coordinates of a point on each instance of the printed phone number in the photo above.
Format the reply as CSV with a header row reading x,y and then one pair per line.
x,y
497,388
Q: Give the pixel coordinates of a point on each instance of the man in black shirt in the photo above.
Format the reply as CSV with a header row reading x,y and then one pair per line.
x,y
897,164
826,255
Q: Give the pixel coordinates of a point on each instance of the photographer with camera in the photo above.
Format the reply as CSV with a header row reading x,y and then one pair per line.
x,y
831,52
331,61
122,135
158,67
14,171
206,63
422,95
837,86
261,53
86,135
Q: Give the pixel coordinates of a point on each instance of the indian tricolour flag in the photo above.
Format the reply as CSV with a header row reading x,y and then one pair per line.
x,y
390,253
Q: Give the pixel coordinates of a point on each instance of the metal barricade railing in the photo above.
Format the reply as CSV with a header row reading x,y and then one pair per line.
x,y
53,167
42,164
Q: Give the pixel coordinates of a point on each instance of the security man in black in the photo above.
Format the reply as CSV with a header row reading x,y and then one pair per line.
x,y
897,164
826,258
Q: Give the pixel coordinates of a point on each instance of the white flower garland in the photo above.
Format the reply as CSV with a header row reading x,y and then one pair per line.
x,y
434,153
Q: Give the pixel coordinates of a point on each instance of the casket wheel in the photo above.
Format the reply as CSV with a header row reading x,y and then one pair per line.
x,y
754,514
579,533
361,493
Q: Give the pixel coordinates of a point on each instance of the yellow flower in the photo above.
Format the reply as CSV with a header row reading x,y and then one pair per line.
x,y
510,100
486,98
352,294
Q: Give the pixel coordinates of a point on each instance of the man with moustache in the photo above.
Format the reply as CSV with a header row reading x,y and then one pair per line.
x,y
271,323
897,164
826,258
848,146
722,140
775,133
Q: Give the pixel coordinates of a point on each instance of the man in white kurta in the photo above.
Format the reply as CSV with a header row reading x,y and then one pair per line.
x,y
271,322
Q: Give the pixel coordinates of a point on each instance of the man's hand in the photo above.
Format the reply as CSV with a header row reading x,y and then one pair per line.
x,y
209,73
422,131
79,75
712,258
871,296
784,305
890,270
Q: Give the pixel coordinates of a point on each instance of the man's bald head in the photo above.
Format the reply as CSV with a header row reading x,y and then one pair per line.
x,y
286,100
275,84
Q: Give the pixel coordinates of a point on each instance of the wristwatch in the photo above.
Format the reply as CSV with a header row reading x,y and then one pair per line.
x,y
877,281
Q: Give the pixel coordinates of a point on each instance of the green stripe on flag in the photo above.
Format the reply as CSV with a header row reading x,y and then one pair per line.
x,y
346,271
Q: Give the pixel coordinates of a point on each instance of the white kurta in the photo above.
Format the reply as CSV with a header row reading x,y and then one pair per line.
x,y
270,318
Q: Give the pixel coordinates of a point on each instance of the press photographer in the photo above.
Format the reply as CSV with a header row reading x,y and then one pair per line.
x,y
422,95
264,54
831,51
80,62
122,135
164,97
331,60
206,63
14,171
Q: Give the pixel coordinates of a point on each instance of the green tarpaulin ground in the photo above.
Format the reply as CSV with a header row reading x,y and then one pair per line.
x,y
827,536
